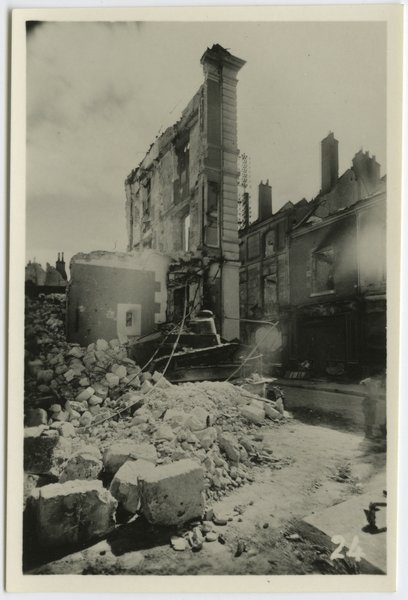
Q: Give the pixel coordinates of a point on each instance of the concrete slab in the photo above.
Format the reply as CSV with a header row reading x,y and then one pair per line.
x,y
347,521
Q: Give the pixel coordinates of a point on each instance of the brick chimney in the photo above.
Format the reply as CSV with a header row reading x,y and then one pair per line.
x,y
367,171
60,266
330,163
264,200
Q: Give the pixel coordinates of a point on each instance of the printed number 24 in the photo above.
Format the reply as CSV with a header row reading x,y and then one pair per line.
x,y
354,551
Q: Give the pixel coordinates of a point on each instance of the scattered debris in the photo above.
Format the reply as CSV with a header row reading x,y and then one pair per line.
x,y
178,543
241,548
220,520
293,537
165,450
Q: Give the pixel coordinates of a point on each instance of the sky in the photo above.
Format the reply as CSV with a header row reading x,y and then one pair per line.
x,y
98,94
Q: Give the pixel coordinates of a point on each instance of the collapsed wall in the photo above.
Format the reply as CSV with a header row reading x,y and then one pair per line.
x,y
116,295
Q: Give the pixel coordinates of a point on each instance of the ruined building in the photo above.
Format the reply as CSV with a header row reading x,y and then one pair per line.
x,y
264,272
182,198
50,280
318,271
336,318
116,295
181,216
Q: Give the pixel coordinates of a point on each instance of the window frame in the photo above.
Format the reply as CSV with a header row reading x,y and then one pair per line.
x,y
316,252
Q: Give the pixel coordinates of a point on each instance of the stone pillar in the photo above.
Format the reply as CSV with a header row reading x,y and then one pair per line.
x,y
221,170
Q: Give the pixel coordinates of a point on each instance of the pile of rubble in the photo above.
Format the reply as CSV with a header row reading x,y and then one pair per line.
x,y
101,433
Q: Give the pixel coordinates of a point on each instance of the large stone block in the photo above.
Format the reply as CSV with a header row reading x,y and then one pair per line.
x,y
126,485
173,494
36,416
119,452
253,414
71,513
44,454
84,464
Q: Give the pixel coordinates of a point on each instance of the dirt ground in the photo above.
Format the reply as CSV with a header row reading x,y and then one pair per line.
x,y
322,466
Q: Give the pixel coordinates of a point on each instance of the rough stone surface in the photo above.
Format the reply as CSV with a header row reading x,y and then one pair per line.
x,y
175,417
126,485
164,432
119,452
30,483
45,455
36,416
178,543
113,380
173,494
85,394
67,430
146,387
253,414
101,345
229,444
197,419
271,412
84,464
119,370
70,513
86,418
206,437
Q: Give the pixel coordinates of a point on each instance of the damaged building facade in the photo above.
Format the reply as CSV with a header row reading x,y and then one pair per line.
x,y
264,272
305,284
335,322
182,199
313,274
116,295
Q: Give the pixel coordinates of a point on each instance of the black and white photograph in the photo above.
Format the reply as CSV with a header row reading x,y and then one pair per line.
x,y
203,373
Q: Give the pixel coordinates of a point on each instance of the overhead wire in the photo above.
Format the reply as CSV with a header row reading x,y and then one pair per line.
x,y
180,324
247,358
127,407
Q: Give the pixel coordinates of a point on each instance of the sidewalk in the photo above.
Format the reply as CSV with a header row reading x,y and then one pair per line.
x,y
351,389
337,402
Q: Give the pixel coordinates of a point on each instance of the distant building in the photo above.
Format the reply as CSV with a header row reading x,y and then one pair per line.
x,y
336,318
52,280
60,266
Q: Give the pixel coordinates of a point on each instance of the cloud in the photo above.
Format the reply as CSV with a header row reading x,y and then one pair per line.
x,y
98,94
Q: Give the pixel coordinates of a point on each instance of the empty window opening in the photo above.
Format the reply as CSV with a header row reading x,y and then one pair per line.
x,y
323,270
212,233
270,243
186,233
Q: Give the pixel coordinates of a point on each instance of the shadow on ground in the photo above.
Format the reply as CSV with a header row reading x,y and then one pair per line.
x,y
128,537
